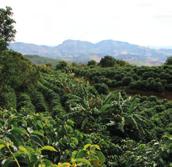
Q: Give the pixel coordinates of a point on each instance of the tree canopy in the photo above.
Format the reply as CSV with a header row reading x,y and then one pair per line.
x,y
15,70
91,63
107,61
169,61
7,30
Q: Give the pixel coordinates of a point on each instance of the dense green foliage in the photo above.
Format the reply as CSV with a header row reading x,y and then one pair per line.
x,y
169,61
91,63
56,118
122,75
7,31
53,118
16,71
109,61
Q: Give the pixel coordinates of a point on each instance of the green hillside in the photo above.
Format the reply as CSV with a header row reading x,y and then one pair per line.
x,y
57,118
74,115
117,74
41,60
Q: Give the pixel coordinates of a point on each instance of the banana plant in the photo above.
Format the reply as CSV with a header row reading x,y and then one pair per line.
x,y
122,113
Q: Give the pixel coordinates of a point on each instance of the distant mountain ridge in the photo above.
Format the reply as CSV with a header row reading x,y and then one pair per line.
x,y
82,51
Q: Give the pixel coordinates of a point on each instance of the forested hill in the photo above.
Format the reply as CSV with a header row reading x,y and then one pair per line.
x,y
82,51
42,60
70,117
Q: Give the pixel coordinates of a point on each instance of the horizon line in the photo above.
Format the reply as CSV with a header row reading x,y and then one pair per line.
x,y
148,46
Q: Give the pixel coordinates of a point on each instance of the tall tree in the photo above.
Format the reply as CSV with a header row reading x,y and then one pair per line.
x,y
7,30
107,61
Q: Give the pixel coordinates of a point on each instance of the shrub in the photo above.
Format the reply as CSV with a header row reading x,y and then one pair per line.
x,y
91,63
107,61
102,88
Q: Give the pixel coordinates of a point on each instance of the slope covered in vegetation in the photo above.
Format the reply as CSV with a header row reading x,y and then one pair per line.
x,y
57,118
42,60
117,74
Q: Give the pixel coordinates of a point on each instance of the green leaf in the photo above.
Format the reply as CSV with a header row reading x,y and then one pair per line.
x,y
87,146
49,148
80,154
82,161
23,149
100,156
167,136
96,146
2,146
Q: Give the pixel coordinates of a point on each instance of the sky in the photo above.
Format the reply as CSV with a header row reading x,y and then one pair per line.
x,y
50,22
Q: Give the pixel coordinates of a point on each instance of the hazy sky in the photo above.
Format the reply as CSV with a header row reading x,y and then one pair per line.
x,y
144,22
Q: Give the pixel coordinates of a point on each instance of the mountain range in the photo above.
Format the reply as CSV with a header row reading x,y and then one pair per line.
x,y
82,51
